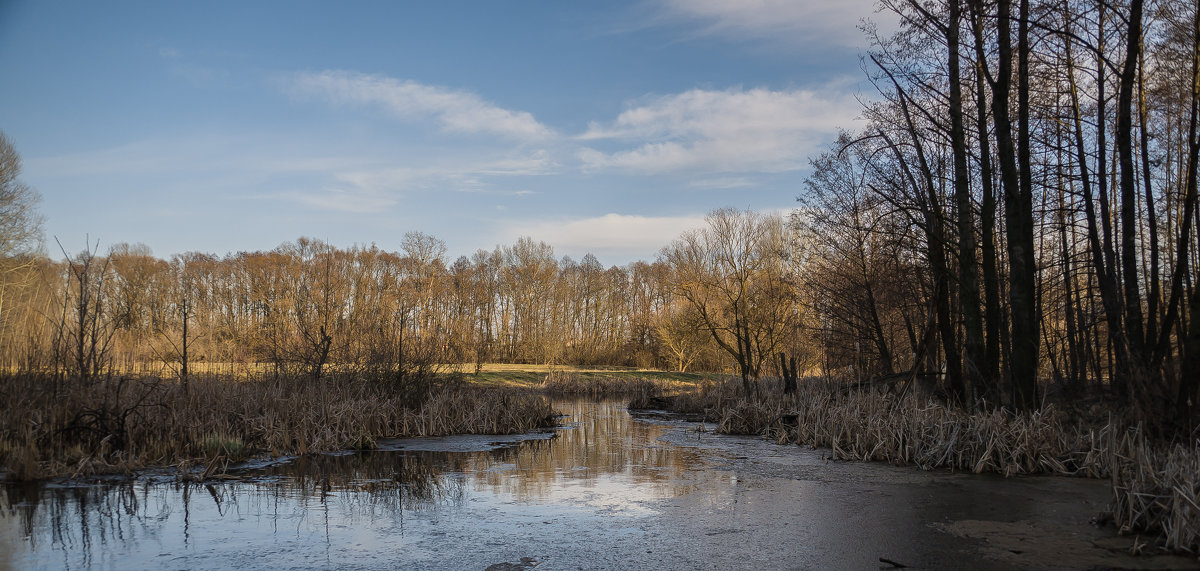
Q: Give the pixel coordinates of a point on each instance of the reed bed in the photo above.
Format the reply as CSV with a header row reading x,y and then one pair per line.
x,y
866,426
1156,487
54,427
598,385
470,410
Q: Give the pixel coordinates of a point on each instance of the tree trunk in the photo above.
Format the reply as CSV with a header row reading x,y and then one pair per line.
x,y
968,276
1018,206
935,241
987,222
1134,324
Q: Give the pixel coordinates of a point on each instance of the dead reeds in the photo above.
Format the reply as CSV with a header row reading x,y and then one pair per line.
x,y
52,427
599,385
1156,487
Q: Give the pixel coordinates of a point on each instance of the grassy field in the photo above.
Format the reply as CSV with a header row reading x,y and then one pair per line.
x,y
535,376
492,374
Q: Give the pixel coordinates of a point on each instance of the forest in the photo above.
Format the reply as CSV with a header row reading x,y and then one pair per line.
x,y
1019,213
1012,229
306,305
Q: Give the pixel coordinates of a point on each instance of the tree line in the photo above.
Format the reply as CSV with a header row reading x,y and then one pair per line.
x,y
1022,204
306,306
720,298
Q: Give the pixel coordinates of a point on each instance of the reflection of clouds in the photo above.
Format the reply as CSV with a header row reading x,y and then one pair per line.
x,y
692,502
614,496
363,505
604,458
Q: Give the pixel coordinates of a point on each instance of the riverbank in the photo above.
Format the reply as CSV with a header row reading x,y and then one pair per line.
x,y
72,428
69,427
1155,485
608,490
54,427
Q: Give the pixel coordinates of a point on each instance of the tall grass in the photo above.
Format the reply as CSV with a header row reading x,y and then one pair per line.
x,y
1156,487
596,385
52,427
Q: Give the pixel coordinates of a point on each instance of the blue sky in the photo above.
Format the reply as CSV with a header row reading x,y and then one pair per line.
x,y
603,127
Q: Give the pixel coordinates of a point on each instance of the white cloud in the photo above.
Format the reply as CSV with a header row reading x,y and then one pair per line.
x,y
723,183
733,130
381,179
195,154
456,111
353,200
312,175
538,162
613,238
790,21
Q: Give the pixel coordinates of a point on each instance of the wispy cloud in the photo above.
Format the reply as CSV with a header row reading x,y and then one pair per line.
x,y
614,238
723,183
455,111
197,154
199,75
382,179
734,130
815,22
538,162
313,175
352,200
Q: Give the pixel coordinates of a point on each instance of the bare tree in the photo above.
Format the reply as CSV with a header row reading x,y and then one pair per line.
x,y
732,274
20,231
20,223
84,337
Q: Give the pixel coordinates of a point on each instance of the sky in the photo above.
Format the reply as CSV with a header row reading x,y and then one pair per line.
x,y
602,127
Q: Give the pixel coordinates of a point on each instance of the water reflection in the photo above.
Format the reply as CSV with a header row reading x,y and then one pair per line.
x,y
607,491
602,463
603,446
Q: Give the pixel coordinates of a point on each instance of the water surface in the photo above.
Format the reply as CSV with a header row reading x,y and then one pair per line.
x,y
604,491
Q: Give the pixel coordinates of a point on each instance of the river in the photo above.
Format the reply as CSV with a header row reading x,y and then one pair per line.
x,y
605,491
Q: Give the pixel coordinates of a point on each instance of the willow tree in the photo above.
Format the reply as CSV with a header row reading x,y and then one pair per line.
x,y
20,231
733,273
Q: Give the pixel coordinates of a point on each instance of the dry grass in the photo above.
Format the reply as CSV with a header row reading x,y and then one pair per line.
x,y
72,428
865,425
536,377
1156,488
600,384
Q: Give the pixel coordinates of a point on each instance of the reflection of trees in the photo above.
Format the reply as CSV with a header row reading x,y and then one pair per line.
x,y
605,441
76,518
93,525
87,524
